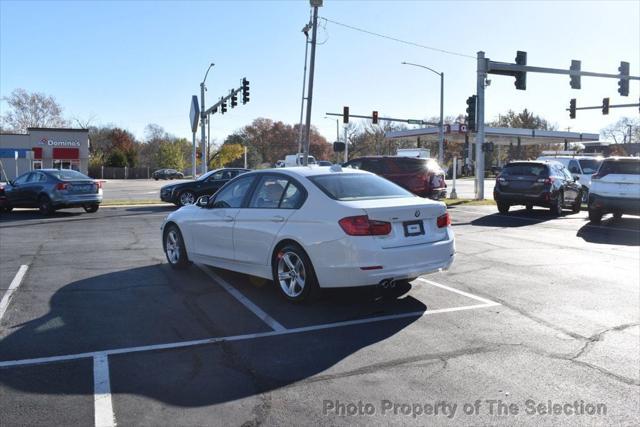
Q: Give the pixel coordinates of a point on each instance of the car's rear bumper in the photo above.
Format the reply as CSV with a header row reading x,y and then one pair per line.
x,y
541,199
347,262
610,204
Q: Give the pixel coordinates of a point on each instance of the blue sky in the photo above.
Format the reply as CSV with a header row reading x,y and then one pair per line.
x,y
132,63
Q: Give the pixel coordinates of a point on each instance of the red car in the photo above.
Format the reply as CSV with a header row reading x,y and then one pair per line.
x,y
423,177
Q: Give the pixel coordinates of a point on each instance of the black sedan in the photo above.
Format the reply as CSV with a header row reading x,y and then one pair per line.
x,y
537,183
167,174
186,193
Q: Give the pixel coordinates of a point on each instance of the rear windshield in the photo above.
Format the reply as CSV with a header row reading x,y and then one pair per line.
x,y
620,167
589,166
65,174
356,186
525,169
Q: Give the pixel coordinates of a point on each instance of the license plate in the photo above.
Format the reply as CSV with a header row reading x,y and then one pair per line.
x,y
82,188
413,228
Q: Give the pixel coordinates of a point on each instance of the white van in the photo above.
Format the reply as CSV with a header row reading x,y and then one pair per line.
x,y
581,167
295,160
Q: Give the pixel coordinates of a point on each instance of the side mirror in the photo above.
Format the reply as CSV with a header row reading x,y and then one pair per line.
x,y
576,178
203,201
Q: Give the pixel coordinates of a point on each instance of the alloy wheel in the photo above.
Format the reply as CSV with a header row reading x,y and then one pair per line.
x,y
187,198
172,247
291,274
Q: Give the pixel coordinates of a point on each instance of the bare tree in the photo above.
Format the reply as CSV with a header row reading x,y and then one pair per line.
x,y
624,131
31,110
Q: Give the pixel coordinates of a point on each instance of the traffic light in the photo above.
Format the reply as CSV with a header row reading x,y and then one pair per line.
x,y
572,108
521,76
471,113
374,117
198,154
345,114
605,105
234,100
623,84
338,147
245,90
223,106
575,80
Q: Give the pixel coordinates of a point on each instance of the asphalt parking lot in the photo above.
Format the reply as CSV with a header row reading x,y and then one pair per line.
x,y
535,311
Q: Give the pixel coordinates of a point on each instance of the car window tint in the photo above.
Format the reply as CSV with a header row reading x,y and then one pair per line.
x,y
355,164
22,179
525,169
232,195
573,167
293,197
268,193
590,166
620,167
227,175
372,165
33,177
216,176
400,165
356,186
68,174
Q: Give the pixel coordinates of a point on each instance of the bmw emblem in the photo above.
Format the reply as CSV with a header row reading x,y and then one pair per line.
x,y
417,214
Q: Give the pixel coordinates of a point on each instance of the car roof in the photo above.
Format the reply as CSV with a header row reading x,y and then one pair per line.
x,y
312,170
615,158
571,157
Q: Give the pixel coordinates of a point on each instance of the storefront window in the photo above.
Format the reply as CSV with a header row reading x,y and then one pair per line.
x,y
66,164
37,164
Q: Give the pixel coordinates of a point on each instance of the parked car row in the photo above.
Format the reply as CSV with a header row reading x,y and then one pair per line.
x,y
613,188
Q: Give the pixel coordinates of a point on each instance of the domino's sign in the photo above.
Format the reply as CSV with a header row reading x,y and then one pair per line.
x,y
54,143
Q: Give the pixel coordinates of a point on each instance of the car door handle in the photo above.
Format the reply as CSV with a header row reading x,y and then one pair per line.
x,y
228,218
277,218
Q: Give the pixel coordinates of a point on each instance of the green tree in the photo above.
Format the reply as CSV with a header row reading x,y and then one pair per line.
x,y
117,159
225,155
169,155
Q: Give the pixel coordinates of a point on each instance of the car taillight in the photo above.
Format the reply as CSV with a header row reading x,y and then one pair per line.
x,y
62,186
361,225
444,220
546,181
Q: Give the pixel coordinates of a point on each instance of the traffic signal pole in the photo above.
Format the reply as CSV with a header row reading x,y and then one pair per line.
x,y
482,75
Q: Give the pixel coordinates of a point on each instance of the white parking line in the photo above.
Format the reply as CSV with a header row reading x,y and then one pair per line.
x,y
488,303
103,415
270,321
183,344
17,280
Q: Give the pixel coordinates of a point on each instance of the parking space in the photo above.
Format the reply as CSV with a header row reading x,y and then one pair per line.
x,y
126,339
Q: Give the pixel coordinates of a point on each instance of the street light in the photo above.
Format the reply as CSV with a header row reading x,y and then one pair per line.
x,y
441,135
337,127
203,144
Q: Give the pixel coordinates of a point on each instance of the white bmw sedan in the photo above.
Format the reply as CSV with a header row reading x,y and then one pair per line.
x,y
313,227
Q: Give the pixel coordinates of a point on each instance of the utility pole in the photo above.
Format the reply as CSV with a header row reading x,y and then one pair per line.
x,y
441,136
482,74
203,138
346,144
315,4
305,30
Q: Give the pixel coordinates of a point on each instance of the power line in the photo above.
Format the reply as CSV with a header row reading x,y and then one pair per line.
x,y
448,52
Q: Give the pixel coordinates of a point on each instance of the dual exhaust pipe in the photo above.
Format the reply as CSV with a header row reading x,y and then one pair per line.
x,y
388,283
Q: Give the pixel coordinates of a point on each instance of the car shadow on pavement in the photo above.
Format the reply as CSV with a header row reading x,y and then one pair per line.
x,y
157,305
35,215
623,231
518,218
153,208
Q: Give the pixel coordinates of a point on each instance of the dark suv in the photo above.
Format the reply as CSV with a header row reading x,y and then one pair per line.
x,y
167,174
423,177
537,183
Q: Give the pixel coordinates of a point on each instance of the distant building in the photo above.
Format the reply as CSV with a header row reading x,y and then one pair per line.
x,y
42,148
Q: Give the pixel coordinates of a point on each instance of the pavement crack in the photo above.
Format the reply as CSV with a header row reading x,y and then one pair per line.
x,y
588,345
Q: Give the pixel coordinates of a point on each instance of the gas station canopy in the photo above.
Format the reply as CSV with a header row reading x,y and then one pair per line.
x,y
499,136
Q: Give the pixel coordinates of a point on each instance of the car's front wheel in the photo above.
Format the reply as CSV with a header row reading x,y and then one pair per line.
x,y
617,214
91,208
187,198
577,204
293,274
174,248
